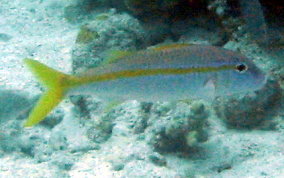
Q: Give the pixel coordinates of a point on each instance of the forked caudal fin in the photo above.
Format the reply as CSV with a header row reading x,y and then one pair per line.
x,y
56,83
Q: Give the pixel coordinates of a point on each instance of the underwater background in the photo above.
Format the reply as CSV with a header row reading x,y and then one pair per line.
x,y
233,136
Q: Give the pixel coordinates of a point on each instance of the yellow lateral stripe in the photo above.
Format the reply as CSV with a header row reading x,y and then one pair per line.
x,y
149,72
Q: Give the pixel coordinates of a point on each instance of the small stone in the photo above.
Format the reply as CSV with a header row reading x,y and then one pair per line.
x,y
191,138
5,37
117,166
158,159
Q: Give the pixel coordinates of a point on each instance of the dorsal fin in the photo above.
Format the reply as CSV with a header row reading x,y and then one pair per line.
x,y
170,46
114,55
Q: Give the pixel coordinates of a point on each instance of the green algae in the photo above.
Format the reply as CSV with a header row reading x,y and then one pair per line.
x,y
102,17
86,35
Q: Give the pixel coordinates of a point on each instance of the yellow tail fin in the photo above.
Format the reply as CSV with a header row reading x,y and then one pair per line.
x,y
56,83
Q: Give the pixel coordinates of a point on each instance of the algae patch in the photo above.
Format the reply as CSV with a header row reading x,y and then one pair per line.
x,y
86,35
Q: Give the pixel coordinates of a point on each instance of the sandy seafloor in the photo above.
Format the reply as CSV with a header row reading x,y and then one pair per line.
x,y
39,30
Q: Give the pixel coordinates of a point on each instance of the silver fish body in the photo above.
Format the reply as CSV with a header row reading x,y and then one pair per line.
x,y
163,74
212,71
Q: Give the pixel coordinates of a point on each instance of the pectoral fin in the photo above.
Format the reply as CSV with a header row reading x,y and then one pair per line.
x,y
209,90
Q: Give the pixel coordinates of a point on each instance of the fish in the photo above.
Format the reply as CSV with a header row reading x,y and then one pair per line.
x,y
164,73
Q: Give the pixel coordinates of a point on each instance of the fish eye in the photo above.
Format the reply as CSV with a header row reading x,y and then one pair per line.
x,y
241,68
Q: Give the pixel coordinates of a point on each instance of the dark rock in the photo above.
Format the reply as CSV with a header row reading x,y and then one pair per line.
x,y
252,110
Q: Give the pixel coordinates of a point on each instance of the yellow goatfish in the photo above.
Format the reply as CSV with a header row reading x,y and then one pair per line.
x,y
174,72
